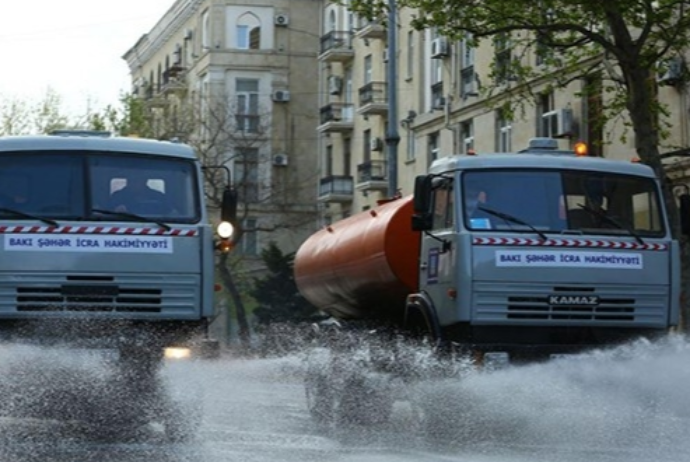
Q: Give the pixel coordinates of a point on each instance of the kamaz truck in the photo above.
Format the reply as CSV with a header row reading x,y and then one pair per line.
x,y
106,242
500,258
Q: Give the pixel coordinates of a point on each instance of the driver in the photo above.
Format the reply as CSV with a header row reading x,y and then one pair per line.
x,y
475,197
138,197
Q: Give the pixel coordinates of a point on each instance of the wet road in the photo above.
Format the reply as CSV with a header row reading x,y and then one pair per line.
x,y
630,405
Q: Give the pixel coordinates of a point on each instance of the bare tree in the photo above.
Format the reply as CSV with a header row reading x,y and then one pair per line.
x,y
233,136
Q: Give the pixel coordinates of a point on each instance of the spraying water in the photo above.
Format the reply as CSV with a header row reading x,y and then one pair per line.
x,y
627,404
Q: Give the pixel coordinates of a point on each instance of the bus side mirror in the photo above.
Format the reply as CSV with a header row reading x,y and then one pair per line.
x,y
684,209
422,219
228,207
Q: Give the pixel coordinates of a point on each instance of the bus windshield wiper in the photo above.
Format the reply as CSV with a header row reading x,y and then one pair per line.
x,y
19,213
512,219
612,221
132,215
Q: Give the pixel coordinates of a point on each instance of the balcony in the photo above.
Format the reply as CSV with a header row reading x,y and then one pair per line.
x,y
337,117
373,99
371,175
336,188
336,46
174,81
371,30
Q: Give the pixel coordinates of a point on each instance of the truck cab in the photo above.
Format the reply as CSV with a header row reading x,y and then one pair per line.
x,y
105,242
542,252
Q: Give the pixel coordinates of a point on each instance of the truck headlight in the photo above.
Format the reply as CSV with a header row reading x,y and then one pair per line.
x,y
225,229
177,353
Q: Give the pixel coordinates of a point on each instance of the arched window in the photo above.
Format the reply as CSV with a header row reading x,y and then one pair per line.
x,y
332,21
248,32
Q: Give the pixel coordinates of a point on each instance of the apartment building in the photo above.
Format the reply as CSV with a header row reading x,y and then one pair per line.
x,y
236,80
441,110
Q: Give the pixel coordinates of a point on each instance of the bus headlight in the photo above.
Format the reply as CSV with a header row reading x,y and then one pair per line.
x,y
225,229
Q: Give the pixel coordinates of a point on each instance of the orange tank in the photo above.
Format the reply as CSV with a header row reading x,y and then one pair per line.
x,y
362,266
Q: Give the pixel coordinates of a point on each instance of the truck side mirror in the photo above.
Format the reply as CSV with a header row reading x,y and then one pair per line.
x,y
228,207
422,219
684,209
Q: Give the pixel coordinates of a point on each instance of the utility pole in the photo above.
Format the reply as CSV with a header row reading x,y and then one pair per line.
x,y
392,136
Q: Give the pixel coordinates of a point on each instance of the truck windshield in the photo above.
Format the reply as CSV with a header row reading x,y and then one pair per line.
x,y
569,201
68,185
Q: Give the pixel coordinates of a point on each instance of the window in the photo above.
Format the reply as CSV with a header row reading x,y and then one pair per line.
x,y
247,116
433,147
593,123
367,69
466,136
443,206
411,145
410,55
248,32
329,160
504,130
246,174
350,17
503,58
205,30
367,145
249,244
542,51
545,106
347,156
468,83
552,201
348,96
70,185
332,22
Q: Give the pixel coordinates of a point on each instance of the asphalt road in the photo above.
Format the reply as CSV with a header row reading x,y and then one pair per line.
x,y
630,405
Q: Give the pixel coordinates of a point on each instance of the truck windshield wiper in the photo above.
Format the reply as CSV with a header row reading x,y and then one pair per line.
x,y
132,215
612,221
19,213
510,218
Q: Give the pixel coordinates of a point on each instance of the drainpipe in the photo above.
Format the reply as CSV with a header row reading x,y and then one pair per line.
x,y
392,136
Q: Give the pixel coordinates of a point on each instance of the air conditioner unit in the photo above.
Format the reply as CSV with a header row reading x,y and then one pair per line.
x,y
376,144
335,84
280,160
671,71
439,48
187,34
558,123
281,20
281,96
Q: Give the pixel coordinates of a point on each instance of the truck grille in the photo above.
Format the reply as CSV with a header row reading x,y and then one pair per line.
x,y
88,297
519,303
609,309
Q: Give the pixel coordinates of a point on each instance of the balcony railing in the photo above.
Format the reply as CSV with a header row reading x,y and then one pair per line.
x,y
371,170
337,117
373,98
336,46
336,188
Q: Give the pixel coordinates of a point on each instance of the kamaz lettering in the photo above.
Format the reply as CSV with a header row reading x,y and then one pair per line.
x,y
573,300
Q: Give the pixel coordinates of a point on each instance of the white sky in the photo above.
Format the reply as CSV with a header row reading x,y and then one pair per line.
x,y
74,47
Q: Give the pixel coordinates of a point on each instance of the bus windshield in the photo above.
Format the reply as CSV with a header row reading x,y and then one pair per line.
x,y
574,201
70,185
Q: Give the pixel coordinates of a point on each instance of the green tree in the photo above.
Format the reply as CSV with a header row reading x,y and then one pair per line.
x,y
29,117
277,295
624,40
